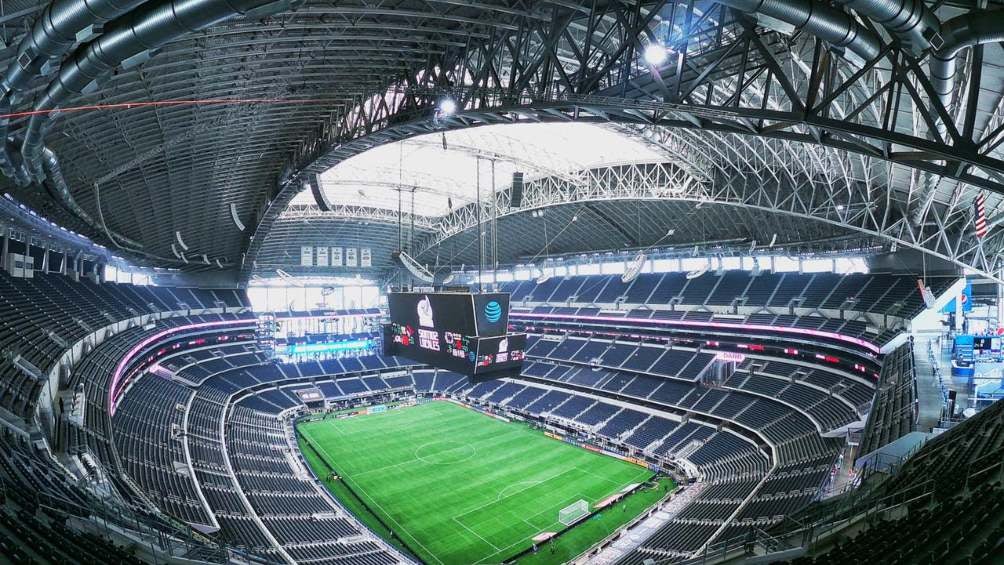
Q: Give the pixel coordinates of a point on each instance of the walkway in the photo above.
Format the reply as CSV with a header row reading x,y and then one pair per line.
x,y
929,394
630,540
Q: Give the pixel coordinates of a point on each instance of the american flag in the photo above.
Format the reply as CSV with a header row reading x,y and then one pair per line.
x,y
980,219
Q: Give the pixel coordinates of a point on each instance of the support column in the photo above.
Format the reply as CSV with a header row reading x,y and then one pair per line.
x,y
1000,301
958,313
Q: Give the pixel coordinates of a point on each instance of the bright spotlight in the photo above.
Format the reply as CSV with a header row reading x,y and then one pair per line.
x,y
655,54
447,107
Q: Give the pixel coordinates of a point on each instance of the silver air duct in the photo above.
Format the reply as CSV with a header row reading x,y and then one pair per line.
x,y
6,166
146,29
141,31
919,29
815,18
908,20
54,33
916,27
59,189
967,30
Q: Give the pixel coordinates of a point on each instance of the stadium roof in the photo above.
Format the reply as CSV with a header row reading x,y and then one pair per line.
x,y
884,132
443,169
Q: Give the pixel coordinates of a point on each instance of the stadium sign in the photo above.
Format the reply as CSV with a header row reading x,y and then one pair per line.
x,y
730,357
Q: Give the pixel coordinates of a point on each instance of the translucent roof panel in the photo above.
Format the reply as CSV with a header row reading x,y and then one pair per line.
x,y
441,170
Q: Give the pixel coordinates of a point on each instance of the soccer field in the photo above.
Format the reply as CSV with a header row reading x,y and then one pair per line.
x,y
458,487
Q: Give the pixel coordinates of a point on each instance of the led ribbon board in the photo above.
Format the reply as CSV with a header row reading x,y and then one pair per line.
x,y
328,347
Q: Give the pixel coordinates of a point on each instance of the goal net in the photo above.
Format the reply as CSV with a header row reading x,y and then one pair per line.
x,y
573,512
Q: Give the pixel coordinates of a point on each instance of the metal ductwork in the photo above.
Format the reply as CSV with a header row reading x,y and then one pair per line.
x,y
55,32
967,30
957,34
815,18
6,166
144,30
909,20
61,191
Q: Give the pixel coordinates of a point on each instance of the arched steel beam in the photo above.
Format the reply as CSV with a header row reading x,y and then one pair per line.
x,y
950,237
516,76
357,213
591,109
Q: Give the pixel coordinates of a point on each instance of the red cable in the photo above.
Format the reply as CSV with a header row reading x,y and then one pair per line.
x,y
158,103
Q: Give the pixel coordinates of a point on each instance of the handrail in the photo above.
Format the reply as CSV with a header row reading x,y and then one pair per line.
x,y
781,541
853,505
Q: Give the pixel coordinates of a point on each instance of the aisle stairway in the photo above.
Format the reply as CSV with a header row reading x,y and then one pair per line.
x,y
928,392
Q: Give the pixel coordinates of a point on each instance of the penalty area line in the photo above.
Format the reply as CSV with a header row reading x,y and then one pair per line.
x,y
477,535
401,528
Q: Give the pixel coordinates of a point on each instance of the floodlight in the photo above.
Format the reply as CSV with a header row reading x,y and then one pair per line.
x,y
655,54
447,107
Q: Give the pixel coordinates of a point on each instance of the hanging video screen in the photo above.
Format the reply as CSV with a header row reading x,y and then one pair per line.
x,y
499,353
459,332
483,315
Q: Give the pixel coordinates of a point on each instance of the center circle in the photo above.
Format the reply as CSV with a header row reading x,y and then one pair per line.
x,y
444,452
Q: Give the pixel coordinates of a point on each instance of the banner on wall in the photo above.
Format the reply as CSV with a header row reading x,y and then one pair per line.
x,y
365,257
336,256
306,256
322,256
966,297
350,256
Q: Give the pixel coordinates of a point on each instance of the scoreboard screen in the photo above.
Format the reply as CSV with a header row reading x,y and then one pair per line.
x,y
501,353
484,315
457,331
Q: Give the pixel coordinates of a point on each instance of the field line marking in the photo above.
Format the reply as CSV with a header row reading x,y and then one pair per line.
x,y
477,535
580,496
497,500
533,527
402,529
517,542
530,484
386,467
359,488
524,520
433,442
607,479
506,548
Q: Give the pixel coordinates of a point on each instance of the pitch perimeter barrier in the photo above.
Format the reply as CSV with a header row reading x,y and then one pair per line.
x,y
348,487
479,410
596,449
654,507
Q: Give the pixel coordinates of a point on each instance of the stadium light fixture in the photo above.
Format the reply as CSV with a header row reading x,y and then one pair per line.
x,y
447,107
655,54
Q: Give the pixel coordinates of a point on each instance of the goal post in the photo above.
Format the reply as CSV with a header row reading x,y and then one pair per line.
x,y
573,512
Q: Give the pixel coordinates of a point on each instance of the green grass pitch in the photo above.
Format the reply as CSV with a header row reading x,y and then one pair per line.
x,y
458,487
